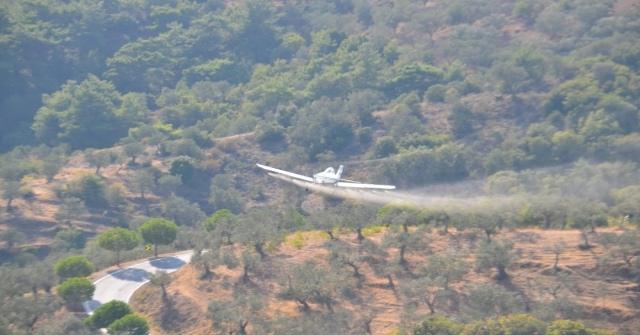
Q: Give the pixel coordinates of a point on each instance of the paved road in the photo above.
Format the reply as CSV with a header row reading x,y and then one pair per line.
x,y
120,284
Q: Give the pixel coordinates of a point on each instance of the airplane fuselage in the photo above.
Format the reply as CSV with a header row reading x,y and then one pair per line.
x,y
320,178
328,176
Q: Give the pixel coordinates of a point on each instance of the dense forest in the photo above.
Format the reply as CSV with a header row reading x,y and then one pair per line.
x,y
118,116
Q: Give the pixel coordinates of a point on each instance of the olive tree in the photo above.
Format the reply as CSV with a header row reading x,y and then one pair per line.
x,y
339,322
484,220
133,149
70,209
12,237
22,314
157,140
228,198
182,212
498,255
66,324
550,208
437,217
378,259
234,316
586,217
492,301
98,158
10,190
69,239
325,221
627,246
143,182
449,265
41,275
221,222
88,187
399,214
51,165
558,248
259,228
343,254
168,184
311,282
204,261
13,281
404,241
426,290
115,195
555,299
160,278
356,216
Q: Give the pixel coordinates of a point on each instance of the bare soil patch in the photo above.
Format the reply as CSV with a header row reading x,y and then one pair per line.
x,y
610,301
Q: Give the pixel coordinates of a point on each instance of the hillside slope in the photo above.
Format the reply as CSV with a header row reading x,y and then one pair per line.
x,y
609,300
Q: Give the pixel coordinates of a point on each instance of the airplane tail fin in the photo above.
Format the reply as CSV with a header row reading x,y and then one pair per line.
x,y
340,171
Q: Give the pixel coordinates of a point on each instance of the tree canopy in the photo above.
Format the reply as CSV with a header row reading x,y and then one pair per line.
x,y
158,231
118,239
486,115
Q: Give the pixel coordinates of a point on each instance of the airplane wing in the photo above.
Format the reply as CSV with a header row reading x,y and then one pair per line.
x,y
350,181
372,186
285,173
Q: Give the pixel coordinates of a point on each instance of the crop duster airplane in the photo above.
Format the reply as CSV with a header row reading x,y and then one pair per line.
x,y
328,177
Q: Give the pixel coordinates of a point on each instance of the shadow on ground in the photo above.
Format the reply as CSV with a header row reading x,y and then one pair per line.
x,y
167,263
130,274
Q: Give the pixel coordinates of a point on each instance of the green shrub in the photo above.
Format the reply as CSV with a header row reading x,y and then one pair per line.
x,y
468,87
461,119
130,324
87,187
69,239
365,135
437,325
436,93
268,134
186,147
74,266
210,223
385,147
183,166
76,290
523,9
568,327
106,314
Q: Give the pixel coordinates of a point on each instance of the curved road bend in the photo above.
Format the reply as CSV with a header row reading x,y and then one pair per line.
x,y
120,284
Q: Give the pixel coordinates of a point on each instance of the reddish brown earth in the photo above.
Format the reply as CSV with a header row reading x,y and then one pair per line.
x,y
611,301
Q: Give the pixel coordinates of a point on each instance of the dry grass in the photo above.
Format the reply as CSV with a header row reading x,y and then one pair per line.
x,y
611,301
34,216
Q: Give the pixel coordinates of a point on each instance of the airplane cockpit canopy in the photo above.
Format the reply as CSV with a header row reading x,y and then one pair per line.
x,y
330,170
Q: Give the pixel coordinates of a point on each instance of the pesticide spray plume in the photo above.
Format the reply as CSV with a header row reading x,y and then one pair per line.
x,y
571,184
416,198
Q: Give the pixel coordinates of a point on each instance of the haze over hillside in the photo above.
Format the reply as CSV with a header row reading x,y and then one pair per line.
x,y
488,116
